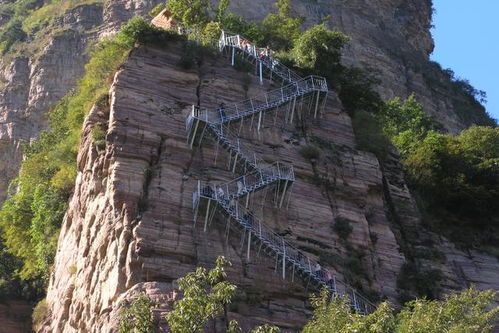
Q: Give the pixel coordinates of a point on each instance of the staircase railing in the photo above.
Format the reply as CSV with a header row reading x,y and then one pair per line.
x,y
293,257
228,39
272,99
251,182
226,195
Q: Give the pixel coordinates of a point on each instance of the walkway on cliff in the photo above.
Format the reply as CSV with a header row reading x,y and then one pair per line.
x,y
310,93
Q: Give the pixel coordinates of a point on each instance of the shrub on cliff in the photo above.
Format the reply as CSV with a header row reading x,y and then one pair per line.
x,y
470,311
318,49
458,175
137,316
205,294
30,218
281,28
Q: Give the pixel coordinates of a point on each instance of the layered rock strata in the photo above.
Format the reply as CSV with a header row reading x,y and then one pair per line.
x,y
129,227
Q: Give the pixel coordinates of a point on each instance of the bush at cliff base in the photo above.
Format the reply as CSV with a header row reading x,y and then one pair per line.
x,y
31,217
470,311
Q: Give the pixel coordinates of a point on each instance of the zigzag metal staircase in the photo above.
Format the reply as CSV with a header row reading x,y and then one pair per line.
x,y
256,174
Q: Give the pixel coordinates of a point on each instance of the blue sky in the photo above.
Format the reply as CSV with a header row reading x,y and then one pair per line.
x,y
466,38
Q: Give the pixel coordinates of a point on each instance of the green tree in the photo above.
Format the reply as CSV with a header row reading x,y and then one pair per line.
x,y
405,123
137,317
336,315
211,32
31,217
319,49
398,117
470,311
221,10
205,295
282,28
458,174
192,13
156,10
12,33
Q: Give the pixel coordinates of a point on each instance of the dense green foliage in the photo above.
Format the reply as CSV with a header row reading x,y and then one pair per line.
x,y
456,177
281,28
467,312
319,50
137,317
205,295
30,218
192,13
12,33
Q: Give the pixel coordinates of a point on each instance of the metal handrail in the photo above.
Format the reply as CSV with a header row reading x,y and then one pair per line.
x,y
291,254
227,194
264,55
269,100
252,181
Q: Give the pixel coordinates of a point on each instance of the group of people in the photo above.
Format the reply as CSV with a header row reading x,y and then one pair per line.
x,y
209,192
325,275
246,46
319,271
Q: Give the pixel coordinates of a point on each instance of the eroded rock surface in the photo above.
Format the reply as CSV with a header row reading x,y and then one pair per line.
x,y
130,227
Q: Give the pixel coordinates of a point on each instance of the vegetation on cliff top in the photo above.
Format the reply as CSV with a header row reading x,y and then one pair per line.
x,y
27,23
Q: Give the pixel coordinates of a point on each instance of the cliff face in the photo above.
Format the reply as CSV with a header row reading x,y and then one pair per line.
x,y
130,227
392,39
391,36
34,82
126,231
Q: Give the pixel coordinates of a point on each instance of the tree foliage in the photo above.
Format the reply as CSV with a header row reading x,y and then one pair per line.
x,y
282,28
319,49
137,316
467,312
31,217
458,174
205,295
12,33
192,13
456,177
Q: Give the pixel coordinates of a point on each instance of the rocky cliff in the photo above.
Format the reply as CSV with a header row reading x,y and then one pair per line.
x,y
392,37
33,82
130,227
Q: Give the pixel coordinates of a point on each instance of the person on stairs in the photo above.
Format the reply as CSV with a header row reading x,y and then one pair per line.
x,y
330,280
221,110
318,271
240,185
220,193
208,191
248,218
